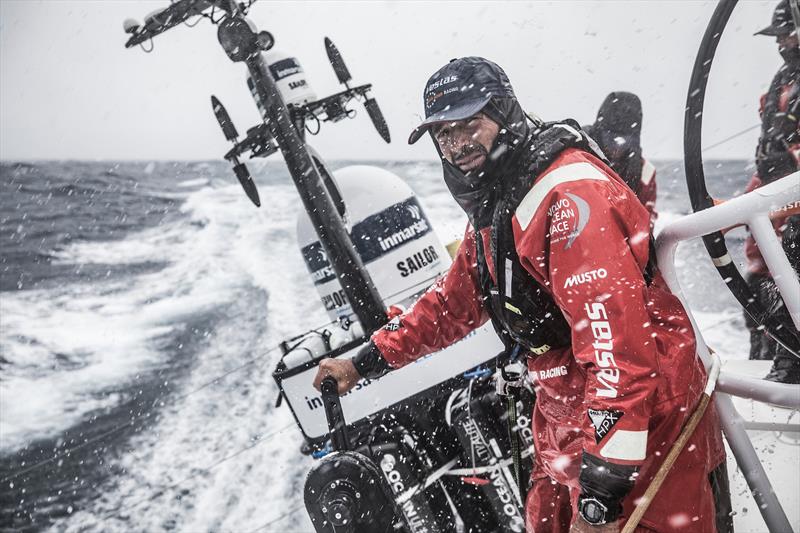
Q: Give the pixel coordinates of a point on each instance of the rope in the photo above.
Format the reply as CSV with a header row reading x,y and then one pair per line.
x,y
644,502
714,145
735,135
448,470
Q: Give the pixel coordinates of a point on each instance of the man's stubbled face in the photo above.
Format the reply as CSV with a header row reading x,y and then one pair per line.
x,y
466,143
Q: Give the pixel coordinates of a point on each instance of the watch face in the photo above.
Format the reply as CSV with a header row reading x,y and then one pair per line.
x,y
593,511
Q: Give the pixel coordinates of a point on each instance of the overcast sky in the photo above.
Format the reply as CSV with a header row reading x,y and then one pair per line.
x,y
70,90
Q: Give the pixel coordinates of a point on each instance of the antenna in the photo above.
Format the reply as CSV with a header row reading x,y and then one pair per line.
x,y
378,121
224,119
240,169
337,62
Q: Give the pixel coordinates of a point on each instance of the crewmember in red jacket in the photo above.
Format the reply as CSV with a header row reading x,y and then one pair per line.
x,y
618,132
777,155
558,255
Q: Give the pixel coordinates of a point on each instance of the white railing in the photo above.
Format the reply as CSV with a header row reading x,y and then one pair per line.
x,y
752,209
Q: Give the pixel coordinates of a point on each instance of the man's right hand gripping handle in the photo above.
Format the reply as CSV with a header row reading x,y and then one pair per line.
x,y
368,363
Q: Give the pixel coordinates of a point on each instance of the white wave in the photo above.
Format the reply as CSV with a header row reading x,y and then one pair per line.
x,y
64,347
67,345
222,421
193,182
262,474
146,246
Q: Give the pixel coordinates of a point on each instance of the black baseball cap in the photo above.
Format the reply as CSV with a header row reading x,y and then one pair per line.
x,y
460,89
782,22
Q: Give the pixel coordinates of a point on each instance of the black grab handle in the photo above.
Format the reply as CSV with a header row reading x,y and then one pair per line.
x,y
333,412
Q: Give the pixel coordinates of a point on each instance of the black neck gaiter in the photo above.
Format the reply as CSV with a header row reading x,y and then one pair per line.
x,y
477,192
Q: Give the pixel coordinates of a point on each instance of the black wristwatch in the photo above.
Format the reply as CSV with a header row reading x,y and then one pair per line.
x,y
593,511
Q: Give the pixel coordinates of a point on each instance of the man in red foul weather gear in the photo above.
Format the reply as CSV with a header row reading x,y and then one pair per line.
x,y
777,155
618,130
558,256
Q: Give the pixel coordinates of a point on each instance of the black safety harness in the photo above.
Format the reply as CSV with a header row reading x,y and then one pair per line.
x,y
522,311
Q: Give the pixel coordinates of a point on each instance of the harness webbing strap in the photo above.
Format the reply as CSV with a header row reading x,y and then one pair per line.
x,y
516,452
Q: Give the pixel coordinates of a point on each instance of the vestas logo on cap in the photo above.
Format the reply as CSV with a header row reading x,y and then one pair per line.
x,y
441,81
432,94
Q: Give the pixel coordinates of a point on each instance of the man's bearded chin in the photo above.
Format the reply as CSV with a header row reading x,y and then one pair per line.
x,y
791,54
470,150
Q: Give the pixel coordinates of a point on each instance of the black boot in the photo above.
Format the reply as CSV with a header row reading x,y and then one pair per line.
x,y
785,365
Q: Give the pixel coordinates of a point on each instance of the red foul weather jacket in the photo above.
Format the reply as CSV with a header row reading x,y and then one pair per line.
x,y
630,379
755,261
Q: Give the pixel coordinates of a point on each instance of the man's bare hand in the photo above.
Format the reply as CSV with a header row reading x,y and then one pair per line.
x,y
581,526
342,370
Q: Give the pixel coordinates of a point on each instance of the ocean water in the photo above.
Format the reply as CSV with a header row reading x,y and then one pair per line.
x,y
140,309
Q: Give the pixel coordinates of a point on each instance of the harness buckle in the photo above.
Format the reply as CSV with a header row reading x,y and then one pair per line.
x,y
510,376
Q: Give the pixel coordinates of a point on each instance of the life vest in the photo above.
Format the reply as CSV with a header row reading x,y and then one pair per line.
x,y
522,311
